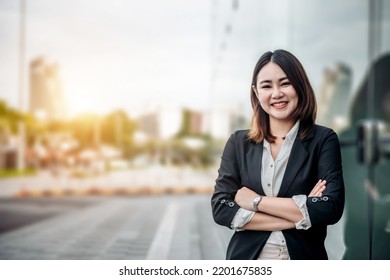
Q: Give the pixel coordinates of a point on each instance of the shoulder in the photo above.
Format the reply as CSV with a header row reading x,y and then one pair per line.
x,y
241,134
325,136
323,131
239,139
321,135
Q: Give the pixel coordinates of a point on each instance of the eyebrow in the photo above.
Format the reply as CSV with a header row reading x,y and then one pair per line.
x,y
269,81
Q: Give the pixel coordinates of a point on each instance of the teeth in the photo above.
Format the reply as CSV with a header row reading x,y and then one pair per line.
x,y
279,104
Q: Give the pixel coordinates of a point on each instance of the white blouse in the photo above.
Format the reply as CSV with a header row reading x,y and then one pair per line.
x,y
272,173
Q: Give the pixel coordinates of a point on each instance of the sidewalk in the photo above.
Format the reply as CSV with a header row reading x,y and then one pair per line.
x,y
123,228
117,227
153,180
100,232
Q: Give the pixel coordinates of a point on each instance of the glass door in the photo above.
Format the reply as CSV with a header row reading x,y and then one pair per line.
x,y
366,150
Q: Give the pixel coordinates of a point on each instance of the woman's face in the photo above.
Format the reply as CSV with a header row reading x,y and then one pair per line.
x,y
276,94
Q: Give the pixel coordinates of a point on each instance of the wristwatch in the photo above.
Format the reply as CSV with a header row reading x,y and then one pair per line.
x,y
256,202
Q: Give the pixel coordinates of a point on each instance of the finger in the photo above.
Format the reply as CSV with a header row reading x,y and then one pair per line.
x,y
321,189
318,189
319,185
319,192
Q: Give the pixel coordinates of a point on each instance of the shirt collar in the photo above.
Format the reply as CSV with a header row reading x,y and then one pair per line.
x,y
292,134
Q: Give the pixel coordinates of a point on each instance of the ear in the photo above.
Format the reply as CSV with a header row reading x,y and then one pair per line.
x,y
255,91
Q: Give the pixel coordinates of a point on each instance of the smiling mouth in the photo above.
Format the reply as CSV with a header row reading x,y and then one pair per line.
x,y
279,105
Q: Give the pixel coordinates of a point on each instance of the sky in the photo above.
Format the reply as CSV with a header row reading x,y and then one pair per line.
x,y
139,55
320,33
111,54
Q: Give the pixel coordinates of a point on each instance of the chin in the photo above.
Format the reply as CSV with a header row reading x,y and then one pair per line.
x,y
281,117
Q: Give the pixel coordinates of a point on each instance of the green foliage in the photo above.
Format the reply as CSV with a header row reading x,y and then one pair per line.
x,y
115,129
185,125
118,129
83,128
88,129
7,173
9,119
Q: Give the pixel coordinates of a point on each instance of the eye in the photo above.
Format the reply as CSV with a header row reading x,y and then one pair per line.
x,y
266,86
286,84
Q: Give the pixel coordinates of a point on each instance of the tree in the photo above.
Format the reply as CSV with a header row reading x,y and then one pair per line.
x,y
83,128
118,129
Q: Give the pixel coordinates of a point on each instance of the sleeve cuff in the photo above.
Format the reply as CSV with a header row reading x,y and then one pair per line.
x,y
300,201
241,218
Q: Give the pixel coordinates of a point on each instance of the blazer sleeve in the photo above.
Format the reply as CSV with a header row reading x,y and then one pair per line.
x,y
227,184
329,208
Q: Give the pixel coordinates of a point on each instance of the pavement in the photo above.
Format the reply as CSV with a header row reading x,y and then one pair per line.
x,y
154,227
156,213
151,180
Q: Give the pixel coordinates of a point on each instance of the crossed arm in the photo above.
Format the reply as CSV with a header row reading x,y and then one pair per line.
x,y
275,213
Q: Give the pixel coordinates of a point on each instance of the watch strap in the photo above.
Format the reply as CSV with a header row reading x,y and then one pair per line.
x,y
256,202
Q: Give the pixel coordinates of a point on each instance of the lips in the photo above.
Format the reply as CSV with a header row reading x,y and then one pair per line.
x,y
279,104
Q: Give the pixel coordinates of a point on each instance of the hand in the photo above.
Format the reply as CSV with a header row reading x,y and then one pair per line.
x,y
244,198
318,189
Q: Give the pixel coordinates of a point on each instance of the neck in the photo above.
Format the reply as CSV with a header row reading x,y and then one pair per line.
x,y
280,128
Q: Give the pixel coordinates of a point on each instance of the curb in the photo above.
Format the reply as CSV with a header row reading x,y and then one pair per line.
x,y
109,191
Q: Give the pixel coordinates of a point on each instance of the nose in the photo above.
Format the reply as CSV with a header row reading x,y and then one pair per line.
x,y
277,93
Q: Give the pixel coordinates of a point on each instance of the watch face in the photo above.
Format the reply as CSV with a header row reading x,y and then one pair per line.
x,y
257,199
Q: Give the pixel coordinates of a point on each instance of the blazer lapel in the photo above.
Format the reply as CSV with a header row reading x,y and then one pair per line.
x,y
253,160
297,158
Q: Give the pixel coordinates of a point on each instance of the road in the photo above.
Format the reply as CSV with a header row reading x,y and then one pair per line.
x,y
155,227
118,227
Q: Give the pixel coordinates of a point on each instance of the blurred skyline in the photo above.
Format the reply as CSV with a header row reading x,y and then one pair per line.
x,y
170,81
141,55
112,54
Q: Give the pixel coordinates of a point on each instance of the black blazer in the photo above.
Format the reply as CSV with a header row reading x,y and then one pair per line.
x,y
316,157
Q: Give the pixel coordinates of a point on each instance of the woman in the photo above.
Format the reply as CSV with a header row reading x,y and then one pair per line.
x,y
280,183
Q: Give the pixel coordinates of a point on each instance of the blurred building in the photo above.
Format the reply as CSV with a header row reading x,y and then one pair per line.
x,y
8,152
46,96
161,123
148,125
167,122
334,96
224,120
196,122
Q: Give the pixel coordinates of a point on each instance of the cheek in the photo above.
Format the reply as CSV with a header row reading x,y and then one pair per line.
x,y
263,99
294,99
263,103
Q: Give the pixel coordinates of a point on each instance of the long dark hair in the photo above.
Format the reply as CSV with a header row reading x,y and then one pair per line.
x,y
306,110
